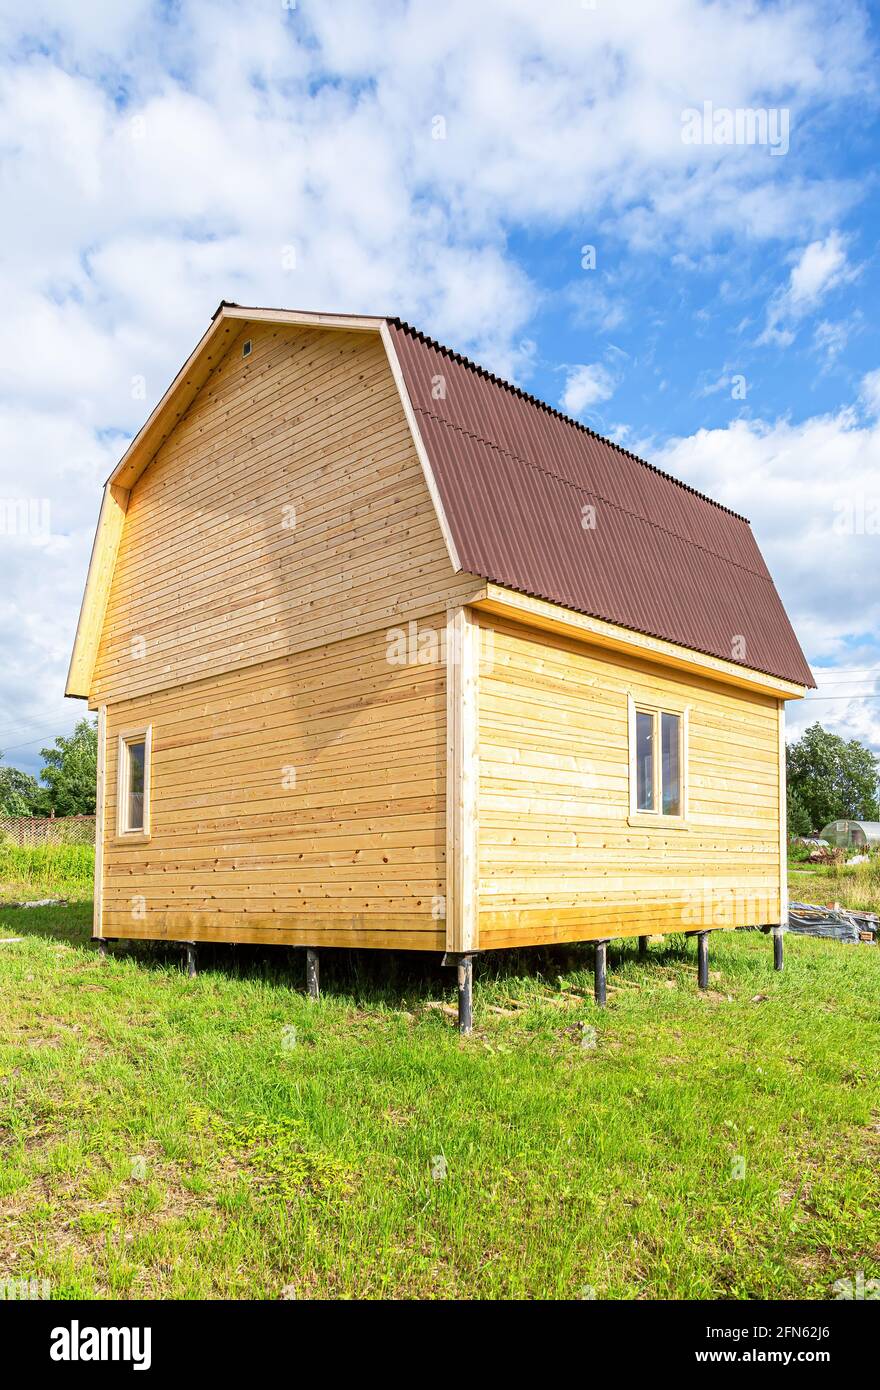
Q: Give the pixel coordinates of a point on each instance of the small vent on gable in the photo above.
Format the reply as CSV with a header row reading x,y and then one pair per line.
x,y
246,348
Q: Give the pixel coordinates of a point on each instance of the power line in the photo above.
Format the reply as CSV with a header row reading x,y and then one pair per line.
x,y
848,670
13,731
814,699
13,747
847,680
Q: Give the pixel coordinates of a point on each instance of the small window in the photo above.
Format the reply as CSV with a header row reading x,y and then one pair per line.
x,y
670,770
133,810
657,753
246,348
645,725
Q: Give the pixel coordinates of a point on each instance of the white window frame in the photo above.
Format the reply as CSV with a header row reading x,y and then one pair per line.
x,y
658,707
142,735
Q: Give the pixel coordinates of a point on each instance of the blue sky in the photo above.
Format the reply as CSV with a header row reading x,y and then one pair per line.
x,y
450,163
683,333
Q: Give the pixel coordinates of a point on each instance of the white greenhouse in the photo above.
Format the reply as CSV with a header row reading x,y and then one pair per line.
x,y
853,834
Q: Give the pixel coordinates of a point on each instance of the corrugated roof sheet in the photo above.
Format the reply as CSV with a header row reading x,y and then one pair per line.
x,y
514,477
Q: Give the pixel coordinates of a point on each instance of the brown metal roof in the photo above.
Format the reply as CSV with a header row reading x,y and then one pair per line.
x,y
514,477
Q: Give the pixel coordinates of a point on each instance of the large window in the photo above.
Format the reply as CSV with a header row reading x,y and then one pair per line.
x,y
133,787
657,760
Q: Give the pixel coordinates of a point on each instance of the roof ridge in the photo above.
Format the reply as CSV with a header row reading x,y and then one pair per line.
x,y
560,414
606,501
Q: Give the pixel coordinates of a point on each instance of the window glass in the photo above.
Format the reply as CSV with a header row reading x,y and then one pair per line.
x,y
644,761
671,745
134,810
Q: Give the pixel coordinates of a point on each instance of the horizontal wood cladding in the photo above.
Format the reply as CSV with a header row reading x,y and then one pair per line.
x,y
559,858
300,800
286,510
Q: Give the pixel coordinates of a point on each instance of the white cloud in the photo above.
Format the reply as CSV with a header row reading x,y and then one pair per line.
x,y
586,386
52,470
728,380
830,339
596,304
847,700
870,392
822,265
812,493
820,268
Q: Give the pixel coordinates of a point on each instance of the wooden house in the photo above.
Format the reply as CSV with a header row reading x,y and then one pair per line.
x,y
387,653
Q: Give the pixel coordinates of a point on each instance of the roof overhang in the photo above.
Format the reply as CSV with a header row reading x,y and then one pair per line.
x,y
550,617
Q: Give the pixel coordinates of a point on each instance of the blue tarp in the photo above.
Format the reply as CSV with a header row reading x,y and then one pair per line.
x,y
837,923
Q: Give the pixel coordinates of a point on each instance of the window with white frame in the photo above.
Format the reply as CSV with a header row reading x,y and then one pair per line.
x,y
133,792
658,759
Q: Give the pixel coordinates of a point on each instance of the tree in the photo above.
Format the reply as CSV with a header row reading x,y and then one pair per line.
x,y
831,779
70,771
19,792
797,816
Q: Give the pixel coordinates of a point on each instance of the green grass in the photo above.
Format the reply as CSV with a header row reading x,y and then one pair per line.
x,y
855,886
65,871
225,1137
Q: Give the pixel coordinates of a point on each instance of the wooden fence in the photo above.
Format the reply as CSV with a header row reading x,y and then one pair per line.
x,y
47,830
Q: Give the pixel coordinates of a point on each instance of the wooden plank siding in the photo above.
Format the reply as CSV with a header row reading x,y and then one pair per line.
x,y
559,858
297,801
286,510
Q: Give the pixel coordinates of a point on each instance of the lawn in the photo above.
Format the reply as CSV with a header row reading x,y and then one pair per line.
x,y
223,1137
65,871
